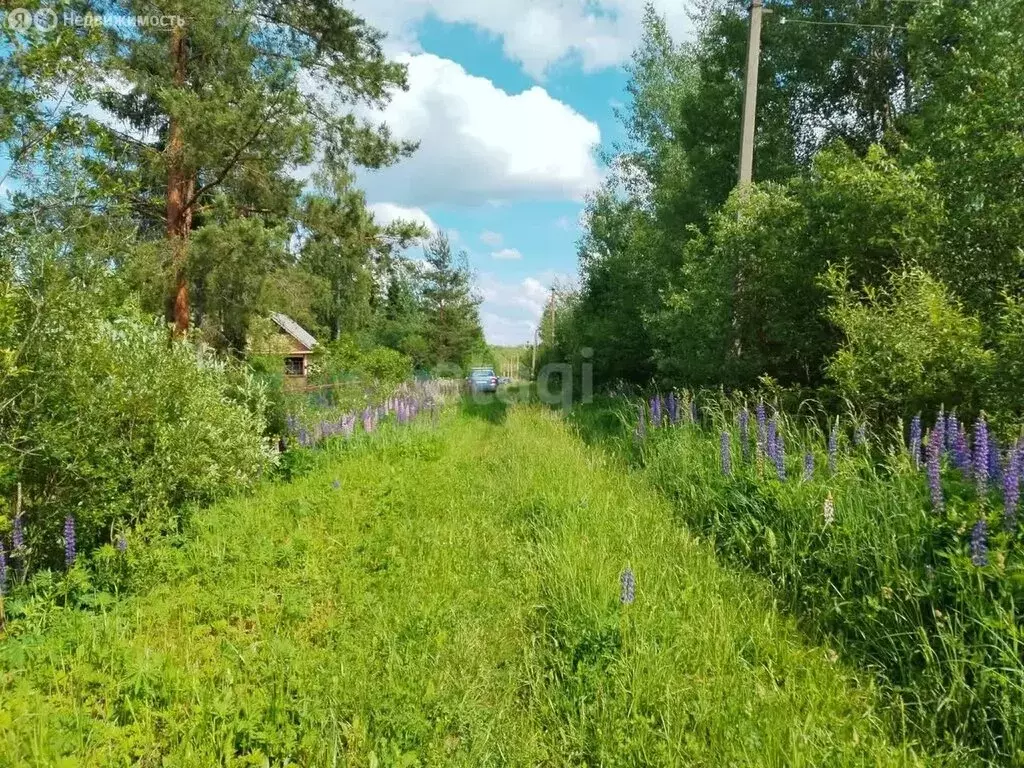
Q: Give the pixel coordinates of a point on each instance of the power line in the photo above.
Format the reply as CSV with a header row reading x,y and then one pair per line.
x,y
839,24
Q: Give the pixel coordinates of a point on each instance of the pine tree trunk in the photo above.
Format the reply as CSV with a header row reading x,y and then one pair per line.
x,y
180,187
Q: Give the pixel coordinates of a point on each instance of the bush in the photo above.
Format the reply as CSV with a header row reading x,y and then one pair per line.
x,y
908,347
107,421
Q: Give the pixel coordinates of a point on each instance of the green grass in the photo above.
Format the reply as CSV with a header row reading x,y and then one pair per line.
x,y
455,602
890,580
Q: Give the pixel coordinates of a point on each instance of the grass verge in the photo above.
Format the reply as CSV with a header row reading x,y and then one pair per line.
x,y
455,601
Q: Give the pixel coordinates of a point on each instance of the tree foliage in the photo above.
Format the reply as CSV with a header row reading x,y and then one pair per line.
x,y
888,143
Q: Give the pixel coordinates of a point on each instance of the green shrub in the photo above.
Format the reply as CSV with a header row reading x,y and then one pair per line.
x,y
908,347
106,421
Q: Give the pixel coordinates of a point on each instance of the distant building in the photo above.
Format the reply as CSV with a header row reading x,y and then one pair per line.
x,y
294,344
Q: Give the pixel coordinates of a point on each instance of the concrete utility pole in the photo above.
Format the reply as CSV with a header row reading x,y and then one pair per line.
x,y
750,94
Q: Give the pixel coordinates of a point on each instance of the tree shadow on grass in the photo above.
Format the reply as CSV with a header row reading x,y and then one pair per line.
x,y
485,406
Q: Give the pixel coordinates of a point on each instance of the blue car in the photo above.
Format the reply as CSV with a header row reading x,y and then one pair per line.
x,y
482,380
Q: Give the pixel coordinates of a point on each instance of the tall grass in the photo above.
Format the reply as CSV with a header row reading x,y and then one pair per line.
x,y
453,599
863,558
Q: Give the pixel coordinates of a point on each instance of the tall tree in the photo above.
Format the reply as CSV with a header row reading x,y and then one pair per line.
x,y
451,310
227,102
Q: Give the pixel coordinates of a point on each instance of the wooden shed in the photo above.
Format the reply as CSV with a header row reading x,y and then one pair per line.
x,y
295,344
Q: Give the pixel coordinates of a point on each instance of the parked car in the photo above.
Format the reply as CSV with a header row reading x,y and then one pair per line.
x,y
482,380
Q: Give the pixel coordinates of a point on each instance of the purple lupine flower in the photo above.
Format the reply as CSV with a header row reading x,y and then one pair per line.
x,y
833,449
627,585
69,541
122,543
808,466
3,570
860,437
762,434
995,469
17,537
951,430
935,446
770,438
981,455
939,431
979,543
745,434
1011,489
336,484
962,451
673,409
726,452
915,440
780,456
656,411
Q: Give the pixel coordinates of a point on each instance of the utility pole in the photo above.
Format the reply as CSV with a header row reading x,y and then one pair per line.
x,y
533,367
552,315
750,94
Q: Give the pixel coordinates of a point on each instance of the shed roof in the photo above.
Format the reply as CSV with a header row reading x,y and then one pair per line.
x,y
293,329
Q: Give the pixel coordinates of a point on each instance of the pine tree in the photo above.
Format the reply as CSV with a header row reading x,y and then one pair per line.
x,y
450,308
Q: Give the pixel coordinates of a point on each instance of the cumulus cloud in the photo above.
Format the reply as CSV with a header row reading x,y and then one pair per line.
x,y
537,34
507,254
385,213
480,144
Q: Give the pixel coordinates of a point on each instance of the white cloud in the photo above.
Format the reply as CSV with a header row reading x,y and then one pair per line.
x,y
507,254
512,309
492,239
385,213
538,33
505,331
480,144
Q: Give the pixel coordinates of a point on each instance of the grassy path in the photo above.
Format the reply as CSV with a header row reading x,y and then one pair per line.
x,y
454,602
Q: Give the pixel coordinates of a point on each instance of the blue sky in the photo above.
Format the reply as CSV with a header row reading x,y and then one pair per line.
x,y
511,101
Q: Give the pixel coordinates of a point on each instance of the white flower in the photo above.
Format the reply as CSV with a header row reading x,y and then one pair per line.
x,y
829,512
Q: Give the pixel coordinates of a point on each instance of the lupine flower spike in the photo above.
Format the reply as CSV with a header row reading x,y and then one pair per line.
x,y
950,430
995,469
829,510
69,541
979,544
762,433
3,570
981,446
808,466
780,456
122,543
833,449
627,586
656,412
17,537
935,445
726,454
1011,489
915,441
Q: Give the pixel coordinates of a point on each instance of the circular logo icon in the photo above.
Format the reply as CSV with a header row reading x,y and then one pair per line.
x,y
46,19
20,19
